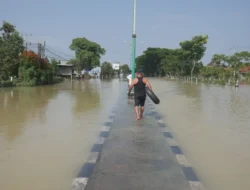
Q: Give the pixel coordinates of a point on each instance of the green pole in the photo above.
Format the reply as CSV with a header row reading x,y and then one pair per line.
x,y
134,43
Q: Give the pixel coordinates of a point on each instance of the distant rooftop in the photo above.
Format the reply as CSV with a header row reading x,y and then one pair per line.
x,y
245,69
64,63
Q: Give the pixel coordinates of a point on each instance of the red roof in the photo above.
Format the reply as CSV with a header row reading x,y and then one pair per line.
x,y
245,69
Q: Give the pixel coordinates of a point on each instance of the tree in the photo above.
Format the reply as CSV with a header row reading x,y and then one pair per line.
x,y
78,66
34,70
244,56
219,59
107,70
171,65
125,69
236,61
55,67
11,45
182,61
151,59
87,54
194,50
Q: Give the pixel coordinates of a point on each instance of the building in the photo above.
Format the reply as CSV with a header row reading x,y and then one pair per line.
x,y
116,66
213,64
65,69
245,70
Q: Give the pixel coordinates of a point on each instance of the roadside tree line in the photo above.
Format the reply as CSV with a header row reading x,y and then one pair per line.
x,y
185,62
19,67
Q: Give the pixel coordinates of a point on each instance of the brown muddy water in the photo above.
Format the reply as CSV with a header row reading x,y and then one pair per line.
x,y
47,132
212,126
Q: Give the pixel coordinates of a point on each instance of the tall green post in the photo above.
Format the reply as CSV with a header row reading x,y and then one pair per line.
x,y
133,43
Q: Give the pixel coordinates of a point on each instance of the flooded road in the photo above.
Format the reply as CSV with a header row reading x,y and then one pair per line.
x,y
47,132
212,125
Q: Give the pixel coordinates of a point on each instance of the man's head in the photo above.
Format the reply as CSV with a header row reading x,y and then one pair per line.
x,y
139,72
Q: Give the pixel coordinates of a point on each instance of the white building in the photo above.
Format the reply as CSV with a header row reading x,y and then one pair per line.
x,y
116,66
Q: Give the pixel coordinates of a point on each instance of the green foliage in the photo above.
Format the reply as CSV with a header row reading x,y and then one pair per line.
x,y
215,72
227,66
11,45
107,70
35,71
87,53
193,50
6,84
181,61
171,64
26,67
151,59
125,69
185,61
219,59
55,67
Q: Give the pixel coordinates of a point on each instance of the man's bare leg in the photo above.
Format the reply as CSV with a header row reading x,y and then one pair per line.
x,y
137,113
142,111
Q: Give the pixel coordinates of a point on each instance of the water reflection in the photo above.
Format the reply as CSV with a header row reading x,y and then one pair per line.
x,y
18,105
47,132
191,90
86,96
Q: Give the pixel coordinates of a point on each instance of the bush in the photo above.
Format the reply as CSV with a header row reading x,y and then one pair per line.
x,y
27,83
57,79
6,83
33,70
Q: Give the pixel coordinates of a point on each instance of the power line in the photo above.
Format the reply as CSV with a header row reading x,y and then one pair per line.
x,y
56,54
53,50
43,51
60,52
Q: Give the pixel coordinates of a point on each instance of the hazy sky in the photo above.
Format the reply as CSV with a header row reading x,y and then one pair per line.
x,y
160,23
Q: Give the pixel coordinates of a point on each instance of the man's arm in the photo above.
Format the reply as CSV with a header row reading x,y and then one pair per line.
x,y
147,83
132,85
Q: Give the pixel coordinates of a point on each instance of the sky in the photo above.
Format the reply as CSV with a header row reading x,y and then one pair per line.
x,y
159,23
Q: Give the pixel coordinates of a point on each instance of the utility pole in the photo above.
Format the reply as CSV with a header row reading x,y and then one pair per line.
x,y
134,42
26,40
39,49
130,45
43,50
233,50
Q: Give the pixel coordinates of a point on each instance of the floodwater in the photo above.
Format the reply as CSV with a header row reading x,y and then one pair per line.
x,y
211,123
47,132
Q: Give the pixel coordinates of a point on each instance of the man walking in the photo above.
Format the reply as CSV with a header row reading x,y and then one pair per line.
x,y
139,84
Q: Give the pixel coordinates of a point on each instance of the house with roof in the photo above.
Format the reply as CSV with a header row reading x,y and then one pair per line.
x,y
244,72
213,64
64,69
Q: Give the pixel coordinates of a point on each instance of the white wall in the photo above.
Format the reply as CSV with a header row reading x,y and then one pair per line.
x,y
116,66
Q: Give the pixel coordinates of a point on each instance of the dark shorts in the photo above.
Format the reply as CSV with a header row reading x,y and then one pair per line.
x,y
140,100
